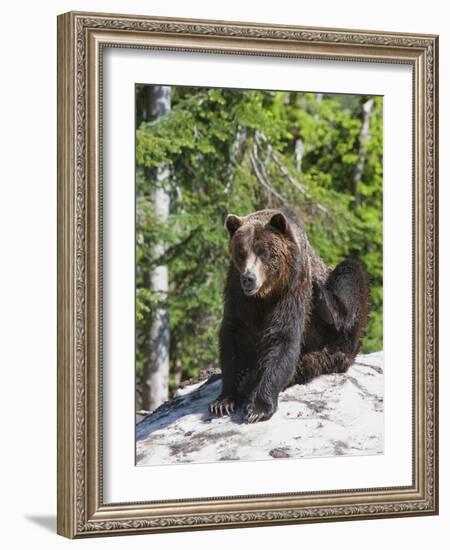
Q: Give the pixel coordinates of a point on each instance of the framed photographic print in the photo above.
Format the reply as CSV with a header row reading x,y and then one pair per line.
x,y
247,276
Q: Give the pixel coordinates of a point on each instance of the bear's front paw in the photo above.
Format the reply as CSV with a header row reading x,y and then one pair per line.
x,y
258,410
222,407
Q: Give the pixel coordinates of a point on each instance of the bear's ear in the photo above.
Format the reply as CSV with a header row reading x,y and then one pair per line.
x,y
279,221
233,223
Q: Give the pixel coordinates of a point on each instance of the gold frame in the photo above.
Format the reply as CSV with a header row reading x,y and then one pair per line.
x,y
81,37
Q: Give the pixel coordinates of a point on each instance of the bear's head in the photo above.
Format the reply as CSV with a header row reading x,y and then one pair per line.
x,y
263,250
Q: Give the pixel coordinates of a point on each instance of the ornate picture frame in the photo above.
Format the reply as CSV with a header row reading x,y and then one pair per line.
x,y
82,38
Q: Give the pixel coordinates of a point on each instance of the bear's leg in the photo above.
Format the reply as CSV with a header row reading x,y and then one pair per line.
x,y
315,363
276,366
231,359
342,303
340,307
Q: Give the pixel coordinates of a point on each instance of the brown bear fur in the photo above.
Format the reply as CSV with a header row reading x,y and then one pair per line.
x,y
287,317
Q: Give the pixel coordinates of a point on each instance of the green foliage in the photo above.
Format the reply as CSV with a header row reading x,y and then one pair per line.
x,y
221,146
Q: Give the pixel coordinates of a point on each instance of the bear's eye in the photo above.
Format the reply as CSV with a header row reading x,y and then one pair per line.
x,y
241,253
262,252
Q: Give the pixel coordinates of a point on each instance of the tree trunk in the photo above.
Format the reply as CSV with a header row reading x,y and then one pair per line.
x,y
364,137
156,372
299,150
319,98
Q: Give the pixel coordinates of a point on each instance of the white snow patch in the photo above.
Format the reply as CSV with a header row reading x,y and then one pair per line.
x,y
336,414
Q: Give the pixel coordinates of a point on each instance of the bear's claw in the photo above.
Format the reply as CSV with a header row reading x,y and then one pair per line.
x,y
256,413
254,417
222,407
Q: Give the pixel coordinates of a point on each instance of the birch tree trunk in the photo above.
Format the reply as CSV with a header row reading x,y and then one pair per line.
x,y
156,372
299,150
364,137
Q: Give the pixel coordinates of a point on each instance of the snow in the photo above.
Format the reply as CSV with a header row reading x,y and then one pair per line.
x,y
337,414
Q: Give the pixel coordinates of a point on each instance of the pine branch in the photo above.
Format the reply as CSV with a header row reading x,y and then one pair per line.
x,y
260,176
260,136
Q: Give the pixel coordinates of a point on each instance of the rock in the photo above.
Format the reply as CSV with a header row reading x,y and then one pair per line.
x,y
337,414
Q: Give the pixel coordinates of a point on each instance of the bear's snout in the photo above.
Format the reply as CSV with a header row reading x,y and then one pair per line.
x,y
248,283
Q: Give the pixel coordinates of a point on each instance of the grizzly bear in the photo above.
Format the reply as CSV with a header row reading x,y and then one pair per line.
x,y
287,317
